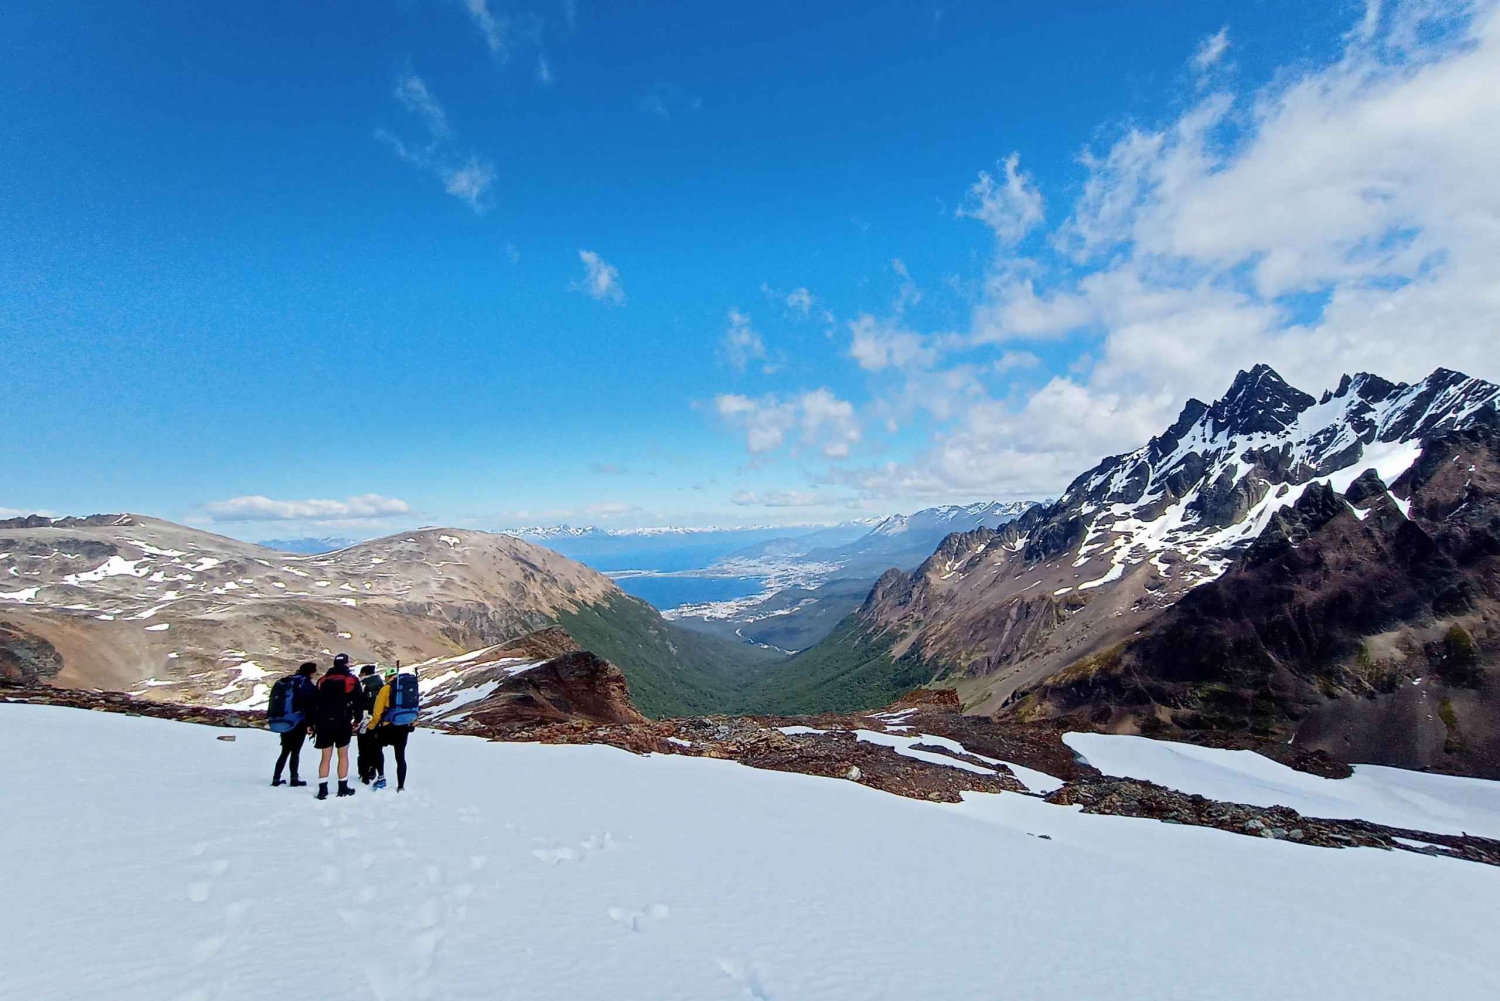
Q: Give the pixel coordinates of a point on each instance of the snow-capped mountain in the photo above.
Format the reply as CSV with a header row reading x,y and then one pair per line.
x,y
1208,486
309,546
1005,608
543,533
953,518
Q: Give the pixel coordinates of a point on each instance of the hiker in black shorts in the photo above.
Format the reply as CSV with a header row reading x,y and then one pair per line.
x,y
338,714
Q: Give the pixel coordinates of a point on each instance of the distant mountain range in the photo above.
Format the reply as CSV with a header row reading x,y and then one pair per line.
x,y
1271,561
310,546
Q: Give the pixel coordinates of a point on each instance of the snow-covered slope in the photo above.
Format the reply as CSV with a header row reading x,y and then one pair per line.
x,y
546,872
1396,797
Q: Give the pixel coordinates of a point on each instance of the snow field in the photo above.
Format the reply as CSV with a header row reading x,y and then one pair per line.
x,y
1396,797
520,871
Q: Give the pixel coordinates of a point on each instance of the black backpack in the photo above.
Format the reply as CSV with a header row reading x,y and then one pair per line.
x,y
282,714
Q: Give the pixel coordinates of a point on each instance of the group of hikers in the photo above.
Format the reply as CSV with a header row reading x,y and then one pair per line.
x,y
375,710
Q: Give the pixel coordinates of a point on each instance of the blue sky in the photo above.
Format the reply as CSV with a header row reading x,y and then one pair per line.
x,y
345,267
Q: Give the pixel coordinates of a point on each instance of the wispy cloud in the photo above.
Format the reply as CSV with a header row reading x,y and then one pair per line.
x,y
412,93
664,100
1211,50
258,508
782,498
601,280
466,178
1011,206
742,343
492,28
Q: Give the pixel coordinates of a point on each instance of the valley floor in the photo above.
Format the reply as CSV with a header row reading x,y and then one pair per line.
x,y
149,860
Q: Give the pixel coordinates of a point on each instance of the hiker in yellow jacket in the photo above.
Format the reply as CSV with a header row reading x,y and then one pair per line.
x,y
391,734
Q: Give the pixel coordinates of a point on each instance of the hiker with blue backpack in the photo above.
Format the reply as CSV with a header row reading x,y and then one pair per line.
x,y
394,718
290,714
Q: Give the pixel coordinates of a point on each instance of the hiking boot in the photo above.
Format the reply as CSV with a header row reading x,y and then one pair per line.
x,y
277,781
298,782
322,790
344,789
379,784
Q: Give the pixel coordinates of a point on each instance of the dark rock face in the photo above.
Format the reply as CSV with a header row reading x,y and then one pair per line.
x,y
1365,633
1259,402
26,659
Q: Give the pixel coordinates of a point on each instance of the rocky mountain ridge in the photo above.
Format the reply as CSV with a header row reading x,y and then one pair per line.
x,y
132,603
996,611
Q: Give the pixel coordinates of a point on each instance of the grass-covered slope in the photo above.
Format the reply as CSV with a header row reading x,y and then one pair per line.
x,y
851,669
671,671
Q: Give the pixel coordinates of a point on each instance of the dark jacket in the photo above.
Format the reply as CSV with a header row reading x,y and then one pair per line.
x,y
369,689
305,698
338,700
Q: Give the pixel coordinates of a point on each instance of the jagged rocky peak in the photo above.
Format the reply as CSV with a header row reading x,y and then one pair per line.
x,y
1258,402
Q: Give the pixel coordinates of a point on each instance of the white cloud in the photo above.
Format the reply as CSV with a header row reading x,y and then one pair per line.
x,y
800,301
878,344
257,508
826,422
470,182
1339,219
1011,208
601,280
742,344
1211,50
491,28
543,70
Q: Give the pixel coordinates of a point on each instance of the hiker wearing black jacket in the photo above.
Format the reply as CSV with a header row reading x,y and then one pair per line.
x,y
337,717
304,696
371,760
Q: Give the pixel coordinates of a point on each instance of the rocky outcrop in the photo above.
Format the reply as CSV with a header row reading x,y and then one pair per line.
x,y
26,659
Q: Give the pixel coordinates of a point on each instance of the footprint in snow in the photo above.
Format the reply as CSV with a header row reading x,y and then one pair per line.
x,y
477,862
366,860
198,892
747,976
208,948
637,920
556,855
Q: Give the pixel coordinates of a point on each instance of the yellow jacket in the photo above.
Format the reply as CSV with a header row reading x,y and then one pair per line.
x,y
382,703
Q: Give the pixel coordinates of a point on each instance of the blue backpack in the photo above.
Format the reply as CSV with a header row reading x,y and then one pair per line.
x,y
405,701
282,715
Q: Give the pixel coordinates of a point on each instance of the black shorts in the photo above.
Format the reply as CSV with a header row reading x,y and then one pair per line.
x,y
333,736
